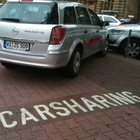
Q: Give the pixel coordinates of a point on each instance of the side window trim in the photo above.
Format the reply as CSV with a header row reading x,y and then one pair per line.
x,y
96,17
76,7
67,17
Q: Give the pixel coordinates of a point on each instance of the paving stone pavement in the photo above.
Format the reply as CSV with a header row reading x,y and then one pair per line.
x,y
101,103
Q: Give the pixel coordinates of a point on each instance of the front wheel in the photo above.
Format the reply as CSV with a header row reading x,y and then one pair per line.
x,y
74,64
133,48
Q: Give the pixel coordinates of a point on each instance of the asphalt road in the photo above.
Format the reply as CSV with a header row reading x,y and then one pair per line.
x,y
101,103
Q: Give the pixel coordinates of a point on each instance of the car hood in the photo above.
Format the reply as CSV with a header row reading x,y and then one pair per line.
x,y
126,27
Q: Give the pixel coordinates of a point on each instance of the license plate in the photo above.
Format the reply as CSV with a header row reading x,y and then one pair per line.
x,y
21,46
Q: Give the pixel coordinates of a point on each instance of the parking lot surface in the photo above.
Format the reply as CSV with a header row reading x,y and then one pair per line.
x,y
101,103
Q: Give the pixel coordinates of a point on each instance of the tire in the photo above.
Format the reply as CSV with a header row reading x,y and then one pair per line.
x,y
133,49
104,51
7,65
74,64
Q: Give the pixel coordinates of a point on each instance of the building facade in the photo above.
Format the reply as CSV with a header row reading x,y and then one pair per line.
x,y
122,8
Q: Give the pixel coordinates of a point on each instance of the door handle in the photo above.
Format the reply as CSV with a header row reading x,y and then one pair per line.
x,y
97,31
85,31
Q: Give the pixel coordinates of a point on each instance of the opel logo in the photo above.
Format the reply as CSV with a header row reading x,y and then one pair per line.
x,y
15,31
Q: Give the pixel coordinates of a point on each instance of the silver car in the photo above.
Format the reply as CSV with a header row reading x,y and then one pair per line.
x,y
50,34
119,40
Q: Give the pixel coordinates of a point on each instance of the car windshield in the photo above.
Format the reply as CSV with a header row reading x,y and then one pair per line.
x,y
27,12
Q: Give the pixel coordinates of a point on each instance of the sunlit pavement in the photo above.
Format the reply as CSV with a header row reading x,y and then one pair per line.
x,y
102,103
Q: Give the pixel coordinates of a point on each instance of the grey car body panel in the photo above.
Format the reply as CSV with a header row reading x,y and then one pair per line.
x,y
118,39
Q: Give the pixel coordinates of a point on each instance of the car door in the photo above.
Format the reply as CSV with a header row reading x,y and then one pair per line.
x,y
88,31
99,31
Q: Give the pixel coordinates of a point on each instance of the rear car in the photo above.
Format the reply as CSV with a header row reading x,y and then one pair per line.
x,y
50,34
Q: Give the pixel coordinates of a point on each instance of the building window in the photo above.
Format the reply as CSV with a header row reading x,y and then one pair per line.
x,y
91,4
109,5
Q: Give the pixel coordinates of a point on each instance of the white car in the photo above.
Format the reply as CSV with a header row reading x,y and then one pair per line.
x,y
111,19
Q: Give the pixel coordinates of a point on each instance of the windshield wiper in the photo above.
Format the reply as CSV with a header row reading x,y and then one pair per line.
x,y
11,19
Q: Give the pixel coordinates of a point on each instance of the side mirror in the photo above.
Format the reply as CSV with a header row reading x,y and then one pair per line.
x,y
105,23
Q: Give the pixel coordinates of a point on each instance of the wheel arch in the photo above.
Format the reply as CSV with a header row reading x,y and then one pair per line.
x,y
124,41
75,44
107,37
72,68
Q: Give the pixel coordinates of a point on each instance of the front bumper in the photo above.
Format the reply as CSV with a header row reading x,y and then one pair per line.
x,y
113,45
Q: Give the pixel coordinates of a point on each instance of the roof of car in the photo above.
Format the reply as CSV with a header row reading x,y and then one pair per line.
x,y
63,2
58,1
105,15
42,1
35,0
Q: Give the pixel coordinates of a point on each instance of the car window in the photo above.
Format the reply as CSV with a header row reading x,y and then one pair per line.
x,y
100,17
69,15
30,12
109,19
94,18
83,17
135,20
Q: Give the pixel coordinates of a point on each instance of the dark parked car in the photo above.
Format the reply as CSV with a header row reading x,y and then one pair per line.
x,y
129,20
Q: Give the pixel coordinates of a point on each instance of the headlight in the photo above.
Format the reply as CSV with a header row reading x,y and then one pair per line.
x,y
116,32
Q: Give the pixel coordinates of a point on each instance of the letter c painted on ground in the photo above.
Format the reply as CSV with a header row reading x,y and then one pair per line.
x,y
2,118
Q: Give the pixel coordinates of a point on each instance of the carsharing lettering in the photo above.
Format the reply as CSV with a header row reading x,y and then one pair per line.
x,y
66,107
